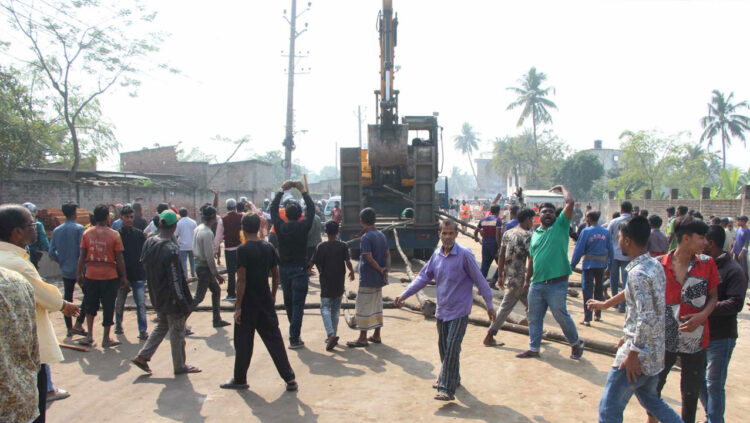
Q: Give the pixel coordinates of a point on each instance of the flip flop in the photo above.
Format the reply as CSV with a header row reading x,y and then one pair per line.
x,y
444,397
494,343
374,340
332,343
110,343
188,369
86,342
142,366
292,386
356,344
81,332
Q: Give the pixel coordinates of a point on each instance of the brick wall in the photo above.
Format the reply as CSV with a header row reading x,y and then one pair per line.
x,y
163,160
721,208
253,177
53,193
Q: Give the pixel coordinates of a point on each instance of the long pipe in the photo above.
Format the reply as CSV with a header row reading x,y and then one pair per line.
x,y
428,307
447,216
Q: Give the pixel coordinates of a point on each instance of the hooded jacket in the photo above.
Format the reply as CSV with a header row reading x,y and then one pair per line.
x,y
167,286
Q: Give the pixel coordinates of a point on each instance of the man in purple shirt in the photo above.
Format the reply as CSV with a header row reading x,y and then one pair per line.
x,y
455,271
742,243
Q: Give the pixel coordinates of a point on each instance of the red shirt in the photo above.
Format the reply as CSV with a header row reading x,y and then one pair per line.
x,y
102,245
336,214
688,298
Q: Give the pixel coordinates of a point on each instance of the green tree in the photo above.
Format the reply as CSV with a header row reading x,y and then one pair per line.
x,y
732,181
646,161
328,172
513,157
466,143
579,173
278,172
516,157
27,138
79,61
724,119
532,97
461,185
690,168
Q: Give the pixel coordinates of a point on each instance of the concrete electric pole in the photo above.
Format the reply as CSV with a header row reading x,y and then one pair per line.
x,y
289,139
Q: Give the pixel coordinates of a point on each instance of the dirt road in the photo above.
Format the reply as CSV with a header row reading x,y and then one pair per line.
x,y
386,382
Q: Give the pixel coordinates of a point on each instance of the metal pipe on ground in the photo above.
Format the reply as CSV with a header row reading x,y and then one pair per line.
x,y
463,231
308,306
549,335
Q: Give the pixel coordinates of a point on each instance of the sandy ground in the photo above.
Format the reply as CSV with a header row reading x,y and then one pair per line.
x,y
386,382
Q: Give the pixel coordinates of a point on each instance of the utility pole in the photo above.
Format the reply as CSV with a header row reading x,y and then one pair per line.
x,y
289,139
359,122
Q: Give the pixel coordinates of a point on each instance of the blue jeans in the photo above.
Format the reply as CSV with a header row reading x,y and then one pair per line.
x,y
329,310
552,295
139,296
186,255
618,270
294,281
712,394
618,391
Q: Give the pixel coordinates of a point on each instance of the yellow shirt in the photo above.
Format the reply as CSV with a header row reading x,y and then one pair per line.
x,y
47,298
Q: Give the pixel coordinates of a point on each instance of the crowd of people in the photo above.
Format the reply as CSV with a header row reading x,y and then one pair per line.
x,y
673,287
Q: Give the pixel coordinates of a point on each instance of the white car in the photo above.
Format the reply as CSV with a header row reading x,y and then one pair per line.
x,y
329,206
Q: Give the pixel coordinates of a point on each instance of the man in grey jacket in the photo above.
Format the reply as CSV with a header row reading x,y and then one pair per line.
x,y
205,267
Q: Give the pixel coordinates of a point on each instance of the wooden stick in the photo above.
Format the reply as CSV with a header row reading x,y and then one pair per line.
x,y
74,347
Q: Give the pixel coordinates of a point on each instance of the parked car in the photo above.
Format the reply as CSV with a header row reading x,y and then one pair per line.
x,y
329,206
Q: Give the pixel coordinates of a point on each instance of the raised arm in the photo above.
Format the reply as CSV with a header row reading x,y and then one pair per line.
x,y
568,198
274,210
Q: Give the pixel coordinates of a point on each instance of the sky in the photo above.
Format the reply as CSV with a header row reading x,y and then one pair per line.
x,y
615,65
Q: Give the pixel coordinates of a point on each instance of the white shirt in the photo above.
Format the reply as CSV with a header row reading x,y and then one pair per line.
x,y
184,233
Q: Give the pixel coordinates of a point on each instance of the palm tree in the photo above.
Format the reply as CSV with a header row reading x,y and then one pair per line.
x,y
532,97
466,143
723,118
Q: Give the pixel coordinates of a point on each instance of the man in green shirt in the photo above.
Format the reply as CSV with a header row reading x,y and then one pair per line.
x,y
681,211
547,276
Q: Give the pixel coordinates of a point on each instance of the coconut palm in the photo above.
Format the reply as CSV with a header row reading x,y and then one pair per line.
x,y
466,143
533,98
724,119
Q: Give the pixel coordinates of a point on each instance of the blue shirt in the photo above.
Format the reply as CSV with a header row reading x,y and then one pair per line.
x,y
594,241
455,274
614,234
117,224
511,224
372,242
743,239
66,247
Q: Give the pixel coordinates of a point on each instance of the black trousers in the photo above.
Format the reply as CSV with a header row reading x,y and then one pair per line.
x,y
231,258
41,386
207,281
70,286
692,378
263,320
